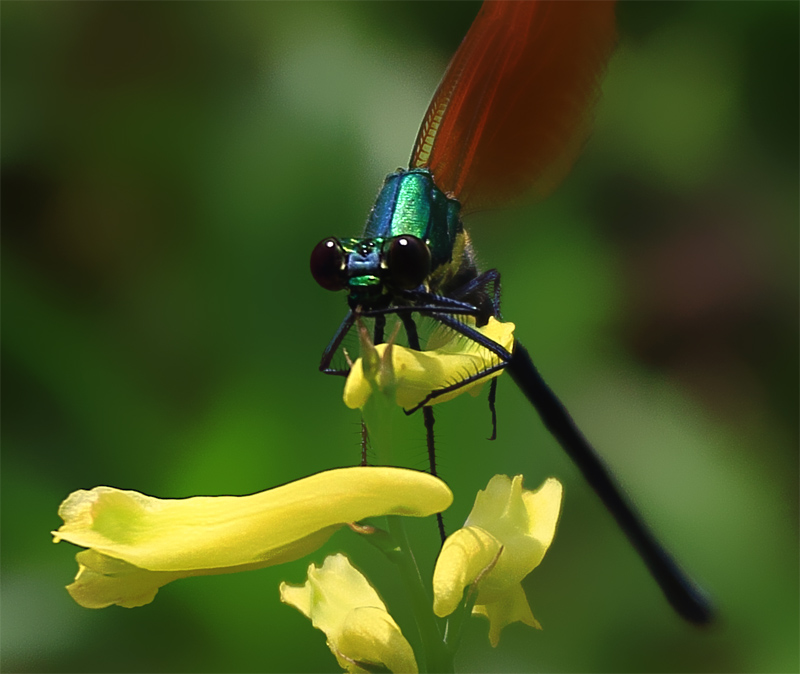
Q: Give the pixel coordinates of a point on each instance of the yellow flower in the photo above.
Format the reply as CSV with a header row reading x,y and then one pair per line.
x,y
360,632
504,538
448,358
138,543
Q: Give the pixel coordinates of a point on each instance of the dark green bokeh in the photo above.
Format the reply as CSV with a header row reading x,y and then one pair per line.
x,y
167,169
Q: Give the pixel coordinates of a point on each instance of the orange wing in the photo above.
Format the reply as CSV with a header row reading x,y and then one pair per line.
x,y
515,105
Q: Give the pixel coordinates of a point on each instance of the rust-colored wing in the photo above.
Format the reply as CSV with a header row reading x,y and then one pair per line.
x,y
515,105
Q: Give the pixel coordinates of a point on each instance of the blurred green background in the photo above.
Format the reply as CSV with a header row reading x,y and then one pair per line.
x,y
167,169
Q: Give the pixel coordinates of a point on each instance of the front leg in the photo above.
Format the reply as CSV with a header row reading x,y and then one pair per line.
x,y
335,343
475,292
504,357
427,413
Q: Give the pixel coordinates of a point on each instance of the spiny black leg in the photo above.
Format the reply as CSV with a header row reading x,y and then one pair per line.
x,y
377,338
503,358
427,412
492,407
380,325
364,441
330,350
427,415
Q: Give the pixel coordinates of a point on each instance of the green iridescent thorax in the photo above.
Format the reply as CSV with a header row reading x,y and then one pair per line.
x,y
409,203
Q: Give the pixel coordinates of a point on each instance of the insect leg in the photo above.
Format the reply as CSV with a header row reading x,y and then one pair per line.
x,y
364,442
380,326
479,283
474,335
333,346
477,292
493,407
424,302
427,416
483,291
490,345
427,412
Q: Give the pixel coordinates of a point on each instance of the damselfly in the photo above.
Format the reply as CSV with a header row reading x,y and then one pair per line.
x,y
509,116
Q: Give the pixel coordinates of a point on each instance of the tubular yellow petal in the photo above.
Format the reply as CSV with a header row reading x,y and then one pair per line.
x,y
512,607
102,580
370,636
340,601
206,532
524,521
520,524
418,373
464,555
544,507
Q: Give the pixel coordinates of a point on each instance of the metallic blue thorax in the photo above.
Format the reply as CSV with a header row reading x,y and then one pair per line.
x,y
409,203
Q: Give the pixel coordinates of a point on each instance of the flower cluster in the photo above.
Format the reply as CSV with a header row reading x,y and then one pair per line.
x,y
136,544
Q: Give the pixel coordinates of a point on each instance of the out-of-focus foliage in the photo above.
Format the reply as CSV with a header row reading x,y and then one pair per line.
x,y
167,169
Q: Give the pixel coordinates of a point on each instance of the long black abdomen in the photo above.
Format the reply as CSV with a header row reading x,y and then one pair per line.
x,y
680,591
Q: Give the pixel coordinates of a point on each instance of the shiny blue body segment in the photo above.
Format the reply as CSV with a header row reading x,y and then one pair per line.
x,y
410,203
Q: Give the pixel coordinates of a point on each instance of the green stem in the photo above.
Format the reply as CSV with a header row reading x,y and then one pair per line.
x,y
438,658
379,413
455,623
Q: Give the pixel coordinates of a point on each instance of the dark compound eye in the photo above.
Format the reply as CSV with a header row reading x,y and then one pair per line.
x,y
409,262
327,263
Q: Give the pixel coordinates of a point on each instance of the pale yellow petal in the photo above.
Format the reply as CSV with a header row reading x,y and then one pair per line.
x,y
370,635
464,556
544,508
500,508
523,521
522,524
207,532
102,580
357,388
340,601
418,373
328,591
511,607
